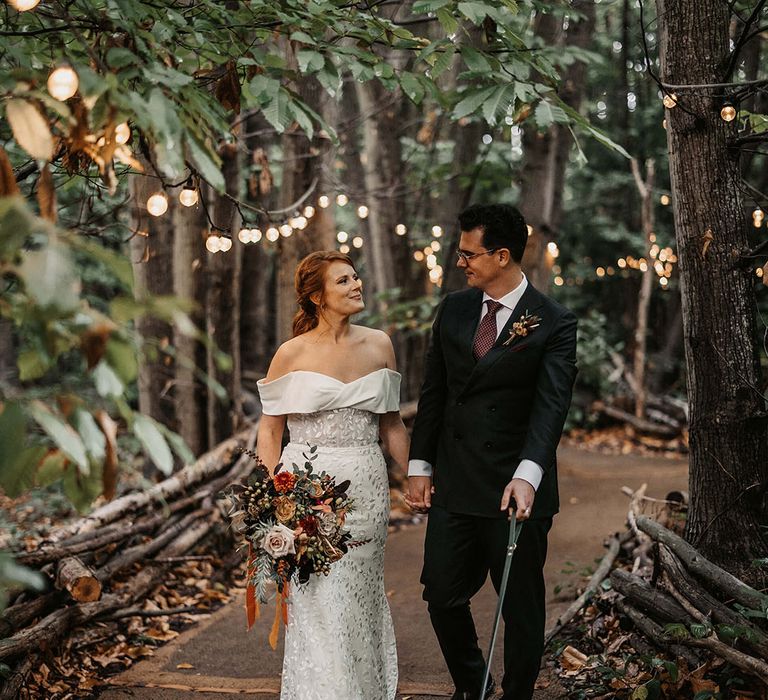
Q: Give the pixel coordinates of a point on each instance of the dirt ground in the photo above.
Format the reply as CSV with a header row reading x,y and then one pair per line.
x,y
216,659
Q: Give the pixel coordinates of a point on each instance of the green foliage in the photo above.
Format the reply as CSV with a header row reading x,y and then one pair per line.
x,y
74,362
13,575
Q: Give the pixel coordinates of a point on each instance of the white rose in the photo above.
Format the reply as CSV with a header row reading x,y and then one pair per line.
x,y
278,542
327,524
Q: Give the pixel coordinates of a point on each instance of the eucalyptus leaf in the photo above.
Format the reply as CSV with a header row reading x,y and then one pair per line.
x,y
63,434
155,445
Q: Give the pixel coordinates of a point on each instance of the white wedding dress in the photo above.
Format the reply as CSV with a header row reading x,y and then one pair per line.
x,y
340,643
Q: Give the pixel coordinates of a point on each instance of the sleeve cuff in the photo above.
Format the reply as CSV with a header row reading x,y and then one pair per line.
x,y
529,471
419,467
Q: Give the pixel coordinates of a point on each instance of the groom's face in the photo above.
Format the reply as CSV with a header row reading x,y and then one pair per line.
x,y
482,269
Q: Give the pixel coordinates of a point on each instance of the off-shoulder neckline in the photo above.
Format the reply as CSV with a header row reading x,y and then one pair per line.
x,y
264,382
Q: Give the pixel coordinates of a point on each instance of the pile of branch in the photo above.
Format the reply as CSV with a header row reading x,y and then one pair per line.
x,y
111,559
682,610
666,601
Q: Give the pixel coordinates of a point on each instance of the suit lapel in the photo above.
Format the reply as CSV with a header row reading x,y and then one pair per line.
x,y
468,317
529,303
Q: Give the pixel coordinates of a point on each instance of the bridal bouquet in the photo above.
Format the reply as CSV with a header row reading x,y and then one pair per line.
x,y
293,524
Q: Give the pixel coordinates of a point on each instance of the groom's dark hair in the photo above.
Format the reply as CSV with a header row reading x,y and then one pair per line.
x,y
503,226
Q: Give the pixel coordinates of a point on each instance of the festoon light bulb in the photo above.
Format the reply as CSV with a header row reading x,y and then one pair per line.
x,y
24,5
728,112
63,83
157,204
188,195
670,100
122,133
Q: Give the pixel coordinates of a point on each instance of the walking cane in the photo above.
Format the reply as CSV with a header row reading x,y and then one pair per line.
x,y
514,533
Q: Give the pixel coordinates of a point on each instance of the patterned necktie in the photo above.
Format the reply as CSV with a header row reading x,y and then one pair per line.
x,y
486,331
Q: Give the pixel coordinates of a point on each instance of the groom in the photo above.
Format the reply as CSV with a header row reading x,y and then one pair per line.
x,y
497,387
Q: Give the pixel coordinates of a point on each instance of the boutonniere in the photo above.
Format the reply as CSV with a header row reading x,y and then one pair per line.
x,y
522,328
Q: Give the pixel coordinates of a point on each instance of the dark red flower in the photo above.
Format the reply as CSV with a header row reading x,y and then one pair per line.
x,y
308,525
284,481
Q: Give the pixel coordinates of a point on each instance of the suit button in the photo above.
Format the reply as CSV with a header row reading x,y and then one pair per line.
x,y
459,403
492,408
457,436
489,444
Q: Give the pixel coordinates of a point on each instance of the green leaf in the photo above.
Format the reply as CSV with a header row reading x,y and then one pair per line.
x,y
424,6
472,102
147,431
474,60
121,356
50,276
497,103
81,489
449,23
475,12
443,61
118,57
17,464
33,364
51,468
544,115
412,87
14,574
93,439
178,444
310,61
276,109
107,383
61,433
208,165
118,264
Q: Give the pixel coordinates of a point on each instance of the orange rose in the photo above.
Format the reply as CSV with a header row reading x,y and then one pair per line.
x,y
285,508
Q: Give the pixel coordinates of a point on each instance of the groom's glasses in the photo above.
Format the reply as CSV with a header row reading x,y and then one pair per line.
x,y
466,257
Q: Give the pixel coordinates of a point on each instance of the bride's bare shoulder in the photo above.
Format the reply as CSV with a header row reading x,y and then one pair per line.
x,y
284,359
379,342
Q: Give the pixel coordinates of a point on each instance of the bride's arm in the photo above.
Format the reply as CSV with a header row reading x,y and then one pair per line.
x,y
270,440
392,431
394,437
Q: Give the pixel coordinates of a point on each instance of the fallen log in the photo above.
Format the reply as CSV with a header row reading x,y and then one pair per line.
x,y
709,606
17,680
649,600
51,628
654,632
594,582
697,564
644,426
207,466
78,580
20,614
143,552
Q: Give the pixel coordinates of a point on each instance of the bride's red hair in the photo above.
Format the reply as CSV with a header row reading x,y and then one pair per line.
x,y
309,280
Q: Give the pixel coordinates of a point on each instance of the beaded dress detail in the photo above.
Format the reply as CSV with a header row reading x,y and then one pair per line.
x,y
340,643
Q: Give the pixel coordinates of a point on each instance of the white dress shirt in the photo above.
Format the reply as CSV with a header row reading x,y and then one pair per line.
x,y
527,469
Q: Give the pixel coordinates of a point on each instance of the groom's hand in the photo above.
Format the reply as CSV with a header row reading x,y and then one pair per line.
x,y
419,497
522,493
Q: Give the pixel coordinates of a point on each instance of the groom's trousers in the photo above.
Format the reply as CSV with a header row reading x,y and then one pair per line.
x,y
459,552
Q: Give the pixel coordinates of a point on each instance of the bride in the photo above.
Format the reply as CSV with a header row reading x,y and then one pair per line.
x,y
335,385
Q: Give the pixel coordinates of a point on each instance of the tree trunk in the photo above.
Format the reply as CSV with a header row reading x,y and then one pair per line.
x,y
300,175
151,254
257,298
223,306
9,371
645,187
728,440
189,258
546,153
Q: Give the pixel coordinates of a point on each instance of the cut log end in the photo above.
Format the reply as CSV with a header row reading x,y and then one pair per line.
x,y
78,580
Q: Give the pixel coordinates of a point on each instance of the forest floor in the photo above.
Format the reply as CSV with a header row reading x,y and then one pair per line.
x,y
217,659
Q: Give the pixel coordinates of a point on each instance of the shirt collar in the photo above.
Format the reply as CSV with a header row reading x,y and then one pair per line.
x,y
510,299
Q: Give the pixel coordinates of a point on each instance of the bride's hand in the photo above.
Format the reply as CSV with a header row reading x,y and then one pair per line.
x,y
419,496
